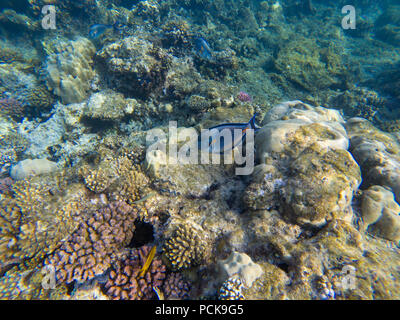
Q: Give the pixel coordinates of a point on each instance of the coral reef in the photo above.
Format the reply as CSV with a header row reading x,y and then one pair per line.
x,y
360,102
29,168
37,216
126,282
83,192
11,107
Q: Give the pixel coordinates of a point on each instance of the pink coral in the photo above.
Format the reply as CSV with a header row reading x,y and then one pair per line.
x,y
244,97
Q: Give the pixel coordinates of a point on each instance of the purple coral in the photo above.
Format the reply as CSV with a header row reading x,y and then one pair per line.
x,y
244,97
88,252
125,281
175,287
11,107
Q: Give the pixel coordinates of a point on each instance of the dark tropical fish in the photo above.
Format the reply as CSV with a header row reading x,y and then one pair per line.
x,y
202,48
217,143
97,30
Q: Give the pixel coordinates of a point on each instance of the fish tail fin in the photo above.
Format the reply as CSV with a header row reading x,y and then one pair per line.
x,y
252,122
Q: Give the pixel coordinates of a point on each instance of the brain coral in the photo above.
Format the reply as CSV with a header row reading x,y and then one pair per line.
x,y
68,70
125,281
185,248
87,252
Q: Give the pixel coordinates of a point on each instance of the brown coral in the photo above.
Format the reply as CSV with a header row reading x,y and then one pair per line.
x,y
125,281
185,248
88,251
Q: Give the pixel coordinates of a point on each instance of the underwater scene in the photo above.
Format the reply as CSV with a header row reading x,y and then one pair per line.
x,y
199,150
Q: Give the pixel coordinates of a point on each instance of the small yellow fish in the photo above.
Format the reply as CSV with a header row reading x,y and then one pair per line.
x,y
159,294
148,262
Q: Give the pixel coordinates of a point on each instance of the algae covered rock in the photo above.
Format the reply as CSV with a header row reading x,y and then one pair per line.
x,y
377,153
310,66
381,213
107,105
306,148
321,187
134,66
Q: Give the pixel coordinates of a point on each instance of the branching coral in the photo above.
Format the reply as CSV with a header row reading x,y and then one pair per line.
x,y
88,251
186,248
126,281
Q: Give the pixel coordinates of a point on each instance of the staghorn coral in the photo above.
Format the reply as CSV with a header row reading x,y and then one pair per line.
x,y
175,287
88,252
69,70
186,247
125,281
231,289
